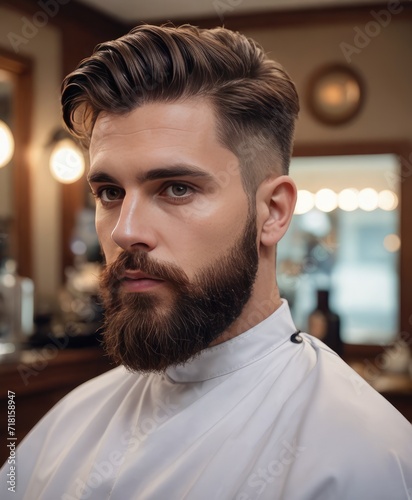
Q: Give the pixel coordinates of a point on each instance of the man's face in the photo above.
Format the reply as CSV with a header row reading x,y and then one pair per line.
x,y
174,225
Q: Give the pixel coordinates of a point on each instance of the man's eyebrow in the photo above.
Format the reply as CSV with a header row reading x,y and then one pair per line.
x,y
155,174
100,177
173,171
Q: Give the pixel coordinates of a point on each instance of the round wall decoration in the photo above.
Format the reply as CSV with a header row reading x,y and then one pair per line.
x,y
335,94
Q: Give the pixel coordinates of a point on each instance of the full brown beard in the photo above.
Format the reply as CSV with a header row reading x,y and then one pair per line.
x,y
145,335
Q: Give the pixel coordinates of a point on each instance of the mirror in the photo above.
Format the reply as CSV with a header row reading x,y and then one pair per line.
x,y
375,241
6,99
345,238
15,110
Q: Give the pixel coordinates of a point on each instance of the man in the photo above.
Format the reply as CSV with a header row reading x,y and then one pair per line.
x,y
217,396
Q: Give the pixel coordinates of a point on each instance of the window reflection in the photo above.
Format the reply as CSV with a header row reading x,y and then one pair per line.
x,y
344,237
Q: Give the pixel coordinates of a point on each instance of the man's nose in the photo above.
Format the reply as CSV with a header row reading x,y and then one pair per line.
x,y
134,227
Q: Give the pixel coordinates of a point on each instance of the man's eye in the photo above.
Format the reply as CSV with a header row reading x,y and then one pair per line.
x,y
109,194
178,191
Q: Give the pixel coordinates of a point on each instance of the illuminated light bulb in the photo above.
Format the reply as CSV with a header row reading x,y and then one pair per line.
x,y
326,200
305,202
348,200
392,243
6,144
333,94
368,199
67,162
387,200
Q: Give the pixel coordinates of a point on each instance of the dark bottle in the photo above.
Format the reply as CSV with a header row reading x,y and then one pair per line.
x,y
325,324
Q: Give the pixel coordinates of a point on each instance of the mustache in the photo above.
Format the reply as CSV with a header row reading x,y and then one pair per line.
x,y
139,260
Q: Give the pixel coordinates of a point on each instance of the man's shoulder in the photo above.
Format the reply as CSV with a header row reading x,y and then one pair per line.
x,y
343,406
105,391
350,439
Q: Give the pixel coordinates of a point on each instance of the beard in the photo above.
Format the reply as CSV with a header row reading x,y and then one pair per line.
x,y
144,334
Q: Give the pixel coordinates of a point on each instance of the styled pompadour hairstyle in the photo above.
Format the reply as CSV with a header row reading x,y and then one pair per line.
x,y
254,100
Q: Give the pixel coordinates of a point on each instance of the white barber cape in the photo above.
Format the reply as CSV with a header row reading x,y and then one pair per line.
x,y
257,417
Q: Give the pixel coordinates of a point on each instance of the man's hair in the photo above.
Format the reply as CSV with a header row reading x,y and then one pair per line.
x,y
254,100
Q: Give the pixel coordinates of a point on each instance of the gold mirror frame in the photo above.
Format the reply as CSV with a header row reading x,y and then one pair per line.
x,y
21,70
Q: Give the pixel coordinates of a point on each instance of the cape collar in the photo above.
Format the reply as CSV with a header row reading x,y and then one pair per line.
x,y
238,352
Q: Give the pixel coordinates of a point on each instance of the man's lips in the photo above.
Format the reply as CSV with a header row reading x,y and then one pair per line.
x,y
138,275
137,281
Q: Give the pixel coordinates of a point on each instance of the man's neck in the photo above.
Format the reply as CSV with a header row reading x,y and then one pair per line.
x,y
255,311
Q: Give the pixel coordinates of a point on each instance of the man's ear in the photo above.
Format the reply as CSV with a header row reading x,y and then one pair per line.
x,y
275,203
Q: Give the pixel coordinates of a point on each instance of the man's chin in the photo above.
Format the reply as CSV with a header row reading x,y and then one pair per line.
x,y
148,358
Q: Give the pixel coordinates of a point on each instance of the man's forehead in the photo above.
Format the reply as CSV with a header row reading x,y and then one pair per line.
x,y
184,128
157,134
182,116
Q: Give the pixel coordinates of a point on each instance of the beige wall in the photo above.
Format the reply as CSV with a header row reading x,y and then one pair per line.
x,y
45,50
385,65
